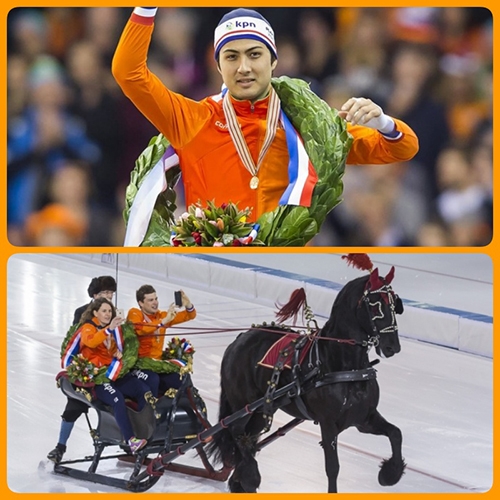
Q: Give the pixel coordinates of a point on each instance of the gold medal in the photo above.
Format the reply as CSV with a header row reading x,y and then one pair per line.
x,y
239,141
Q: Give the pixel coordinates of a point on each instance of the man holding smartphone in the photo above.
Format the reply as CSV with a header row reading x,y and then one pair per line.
x,y
150,324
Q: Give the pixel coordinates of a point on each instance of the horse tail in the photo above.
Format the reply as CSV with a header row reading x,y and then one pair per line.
x,y
223,447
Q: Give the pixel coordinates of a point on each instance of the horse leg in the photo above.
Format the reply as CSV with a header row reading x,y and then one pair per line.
x,y
246,476
329,437
392,469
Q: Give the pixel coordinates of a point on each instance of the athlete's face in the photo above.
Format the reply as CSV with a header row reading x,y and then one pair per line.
x,y
246,69
104,314
150,303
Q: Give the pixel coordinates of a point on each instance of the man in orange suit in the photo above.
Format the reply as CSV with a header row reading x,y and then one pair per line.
x,y
233,147
150,324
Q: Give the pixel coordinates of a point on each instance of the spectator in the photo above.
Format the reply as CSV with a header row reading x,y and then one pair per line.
x,y
462,200
411,97
68,212
39,140
97,107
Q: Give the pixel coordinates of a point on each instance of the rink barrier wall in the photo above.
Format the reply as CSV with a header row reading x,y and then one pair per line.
x,y
453,328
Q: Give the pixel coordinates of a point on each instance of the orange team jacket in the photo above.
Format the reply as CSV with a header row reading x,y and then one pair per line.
x,y
93,344
151,337
211,168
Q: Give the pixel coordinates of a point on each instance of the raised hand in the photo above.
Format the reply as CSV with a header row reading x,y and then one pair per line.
x,y
185,301
362,111
171,314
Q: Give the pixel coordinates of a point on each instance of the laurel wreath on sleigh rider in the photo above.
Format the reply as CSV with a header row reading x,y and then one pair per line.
x,y
177,357
327,143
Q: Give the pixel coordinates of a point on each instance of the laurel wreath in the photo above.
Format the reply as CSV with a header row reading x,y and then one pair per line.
x,y
176,349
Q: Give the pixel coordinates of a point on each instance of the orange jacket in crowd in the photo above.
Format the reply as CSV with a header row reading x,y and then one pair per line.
x,y
211,168
151,337
96,345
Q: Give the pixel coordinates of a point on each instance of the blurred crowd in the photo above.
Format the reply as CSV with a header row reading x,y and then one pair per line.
x,y
73,137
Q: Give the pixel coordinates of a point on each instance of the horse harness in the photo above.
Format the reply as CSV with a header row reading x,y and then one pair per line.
x,y
313,379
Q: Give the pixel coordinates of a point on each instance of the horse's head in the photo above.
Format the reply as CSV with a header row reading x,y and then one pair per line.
x,y
381,305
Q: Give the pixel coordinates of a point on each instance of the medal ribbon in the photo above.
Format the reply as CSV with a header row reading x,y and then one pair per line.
x,y
272,118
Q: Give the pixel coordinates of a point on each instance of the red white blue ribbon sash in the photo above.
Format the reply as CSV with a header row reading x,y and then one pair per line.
x,y
72,349
116,364
301,174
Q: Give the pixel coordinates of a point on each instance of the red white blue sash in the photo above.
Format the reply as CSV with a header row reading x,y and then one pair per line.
x,y
301,173
116,365
142,207
72,349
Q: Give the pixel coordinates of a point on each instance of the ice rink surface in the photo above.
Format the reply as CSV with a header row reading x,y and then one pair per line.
x,y
439,397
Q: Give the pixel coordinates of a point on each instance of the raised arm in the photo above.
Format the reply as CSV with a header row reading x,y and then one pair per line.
x,y
175,116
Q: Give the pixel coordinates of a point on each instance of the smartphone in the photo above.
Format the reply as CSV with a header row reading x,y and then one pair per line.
x,y
119,313
178,298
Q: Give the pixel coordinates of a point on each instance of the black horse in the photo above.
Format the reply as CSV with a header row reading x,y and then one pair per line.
x,y
336,386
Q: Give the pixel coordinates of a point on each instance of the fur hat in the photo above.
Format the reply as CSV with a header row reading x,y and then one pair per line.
x,y
101,284
242,24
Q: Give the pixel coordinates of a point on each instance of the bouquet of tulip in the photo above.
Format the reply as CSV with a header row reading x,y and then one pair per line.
x,y
82,372
212,226
180,349
179,352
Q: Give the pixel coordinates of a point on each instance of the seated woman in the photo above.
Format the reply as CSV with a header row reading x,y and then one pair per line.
x,y
99,347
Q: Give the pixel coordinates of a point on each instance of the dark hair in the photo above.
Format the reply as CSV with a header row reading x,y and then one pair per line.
x,y
95,305
144,290
100,284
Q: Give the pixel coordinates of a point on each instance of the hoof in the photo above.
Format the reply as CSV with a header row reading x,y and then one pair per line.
x,y
391,472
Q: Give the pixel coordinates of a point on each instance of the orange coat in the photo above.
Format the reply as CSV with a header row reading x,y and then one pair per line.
x,y
151,338
211,168
96,345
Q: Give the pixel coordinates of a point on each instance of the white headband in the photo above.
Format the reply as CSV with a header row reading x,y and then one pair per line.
x,y
242,28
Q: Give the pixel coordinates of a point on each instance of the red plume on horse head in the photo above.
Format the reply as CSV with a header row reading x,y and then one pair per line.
x,y
359,261
362,261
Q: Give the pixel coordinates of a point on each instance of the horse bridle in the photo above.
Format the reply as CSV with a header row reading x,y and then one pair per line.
x,y
385,290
